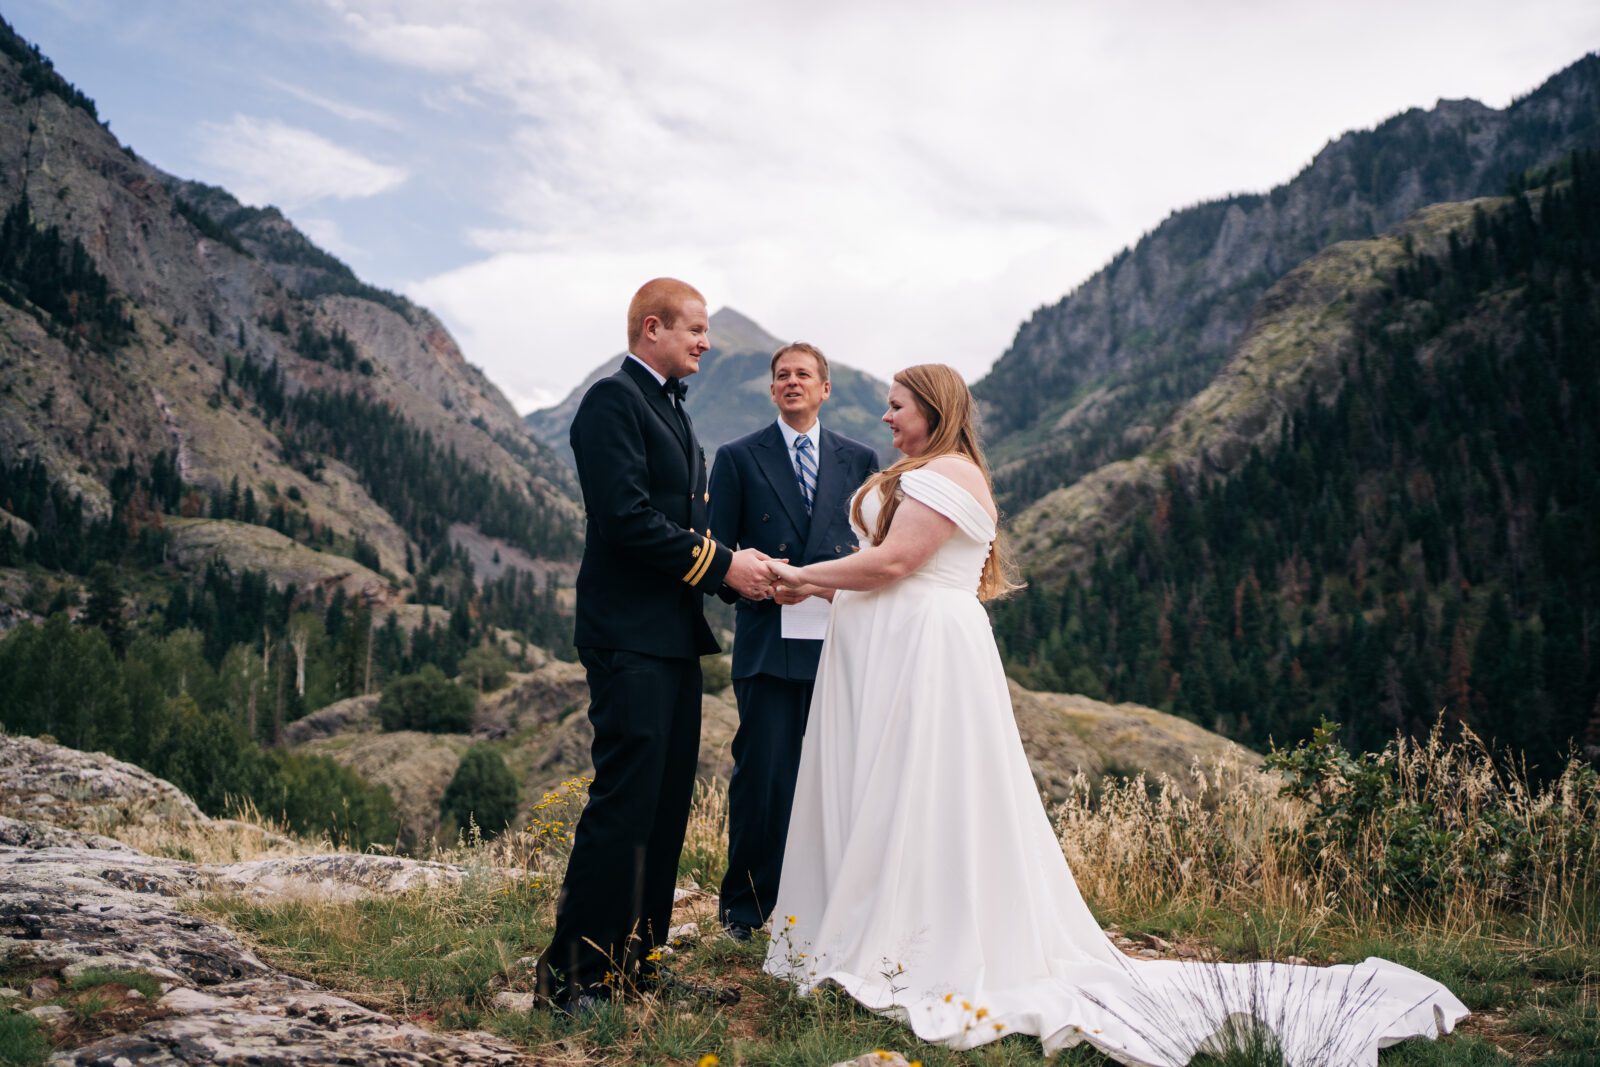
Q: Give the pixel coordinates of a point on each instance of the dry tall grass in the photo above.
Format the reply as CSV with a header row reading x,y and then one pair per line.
x,y
1434,831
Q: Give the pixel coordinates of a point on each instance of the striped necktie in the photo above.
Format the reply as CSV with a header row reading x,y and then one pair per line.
x,y
805,469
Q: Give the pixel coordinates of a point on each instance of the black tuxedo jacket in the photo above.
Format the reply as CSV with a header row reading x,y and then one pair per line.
x,y
756,503
648,555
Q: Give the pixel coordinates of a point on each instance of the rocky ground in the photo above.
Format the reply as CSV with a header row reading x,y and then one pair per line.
x,y
87,921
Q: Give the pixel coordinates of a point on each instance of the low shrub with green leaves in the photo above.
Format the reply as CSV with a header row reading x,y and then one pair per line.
x,y
1432,819
483,792
427,701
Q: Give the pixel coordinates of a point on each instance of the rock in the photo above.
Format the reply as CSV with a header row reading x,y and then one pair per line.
x,y
49,1014
1186,952
43,988
517,1002
356,715
685,932
62,787
876,1058
1148,954
1157,943
10,994
282,1020
134,994
1297,961
19,833
80,908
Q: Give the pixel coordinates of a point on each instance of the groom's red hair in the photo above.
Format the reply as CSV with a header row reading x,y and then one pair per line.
x,y
662,297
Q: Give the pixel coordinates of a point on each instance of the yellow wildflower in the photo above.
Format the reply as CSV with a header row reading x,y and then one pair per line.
x,y
947,997
999,1027
983,1013
791,920
708,1060
966,1005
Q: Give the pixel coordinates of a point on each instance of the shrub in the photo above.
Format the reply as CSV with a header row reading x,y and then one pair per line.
x,y
426,700
485,667
482,791
313,795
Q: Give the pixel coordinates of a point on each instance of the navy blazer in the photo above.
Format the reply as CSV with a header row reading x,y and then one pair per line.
x,y
648,555
756,503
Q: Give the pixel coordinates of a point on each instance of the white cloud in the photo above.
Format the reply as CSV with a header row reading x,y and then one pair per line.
x,y
267,161
898,181
339,108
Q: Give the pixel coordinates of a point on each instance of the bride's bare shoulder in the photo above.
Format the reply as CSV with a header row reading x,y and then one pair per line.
x,y
966,474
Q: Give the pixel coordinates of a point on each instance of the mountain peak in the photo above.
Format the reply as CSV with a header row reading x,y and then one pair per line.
x,y
732,331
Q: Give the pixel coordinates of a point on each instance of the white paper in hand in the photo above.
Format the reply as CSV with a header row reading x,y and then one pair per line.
x,y
807,620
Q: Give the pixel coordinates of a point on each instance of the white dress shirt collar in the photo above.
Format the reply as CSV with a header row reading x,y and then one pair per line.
x,y
790,433
661,379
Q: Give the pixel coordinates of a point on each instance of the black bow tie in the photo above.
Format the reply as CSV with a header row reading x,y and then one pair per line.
x,y
674,387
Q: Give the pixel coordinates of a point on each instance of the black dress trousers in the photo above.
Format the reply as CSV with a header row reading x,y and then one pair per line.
x,y
766,761
619,884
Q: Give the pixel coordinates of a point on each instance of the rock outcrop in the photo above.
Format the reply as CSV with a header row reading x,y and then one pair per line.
x,y
73,902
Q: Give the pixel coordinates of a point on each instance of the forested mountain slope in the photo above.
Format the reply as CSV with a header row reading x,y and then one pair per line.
x,y
1404,517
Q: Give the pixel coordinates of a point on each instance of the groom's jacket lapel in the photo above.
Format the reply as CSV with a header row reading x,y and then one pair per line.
x,y
658,402
772,456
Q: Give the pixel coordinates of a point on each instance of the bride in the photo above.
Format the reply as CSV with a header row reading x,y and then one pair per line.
x,y
923,875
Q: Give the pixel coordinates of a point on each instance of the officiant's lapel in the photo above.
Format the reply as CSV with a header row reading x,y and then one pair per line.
x,y
772,456
831,490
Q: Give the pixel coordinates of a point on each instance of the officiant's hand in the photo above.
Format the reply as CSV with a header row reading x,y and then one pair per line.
x,y
748,575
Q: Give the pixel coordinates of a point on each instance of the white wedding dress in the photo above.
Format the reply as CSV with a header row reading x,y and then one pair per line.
x,y
922,875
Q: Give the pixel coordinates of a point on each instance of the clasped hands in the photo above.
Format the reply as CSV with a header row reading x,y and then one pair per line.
x,y
755,575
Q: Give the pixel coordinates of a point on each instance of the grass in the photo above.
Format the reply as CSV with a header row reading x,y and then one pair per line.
x,y
1220,869
23,1042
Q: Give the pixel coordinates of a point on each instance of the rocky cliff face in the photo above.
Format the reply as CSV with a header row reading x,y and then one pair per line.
x,y
205,282
729,397
1091,379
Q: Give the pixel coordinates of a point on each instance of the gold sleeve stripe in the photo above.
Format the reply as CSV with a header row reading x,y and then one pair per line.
x,y
708,552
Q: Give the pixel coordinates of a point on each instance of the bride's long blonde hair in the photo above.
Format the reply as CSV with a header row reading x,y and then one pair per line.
x,y
944,400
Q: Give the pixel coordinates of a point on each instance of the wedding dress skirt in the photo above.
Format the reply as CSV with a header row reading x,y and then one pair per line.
x,y
922,875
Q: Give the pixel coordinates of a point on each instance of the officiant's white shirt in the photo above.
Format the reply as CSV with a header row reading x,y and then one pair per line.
x,y
789,436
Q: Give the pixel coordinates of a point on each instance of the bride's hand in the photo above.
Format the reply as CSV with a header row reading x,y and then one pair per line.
x,y
783,575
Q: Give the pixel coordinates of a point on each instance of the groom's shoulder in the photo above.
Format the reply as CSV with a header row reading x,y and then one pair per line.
x,y
611,389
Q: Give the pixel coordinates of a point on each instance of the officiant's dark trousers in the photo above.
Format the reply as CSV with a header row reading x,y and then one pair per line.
x,y
766,760
616,902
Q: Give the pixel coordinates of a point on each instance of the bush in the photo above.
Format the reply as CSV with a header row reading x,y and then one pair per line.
x,y
426,701
483,791
313,795
485,667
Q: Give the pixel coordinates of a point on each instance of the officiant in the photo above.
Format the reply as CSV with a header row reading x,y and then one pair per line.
x,y
784,490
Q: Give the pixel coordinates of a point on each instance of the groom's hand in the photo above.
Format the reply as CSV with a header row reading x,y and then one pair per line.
x,y
748,575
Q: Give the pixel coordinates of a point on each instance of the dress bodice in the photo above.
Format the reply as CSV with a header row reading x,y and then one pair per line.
x,y
958,563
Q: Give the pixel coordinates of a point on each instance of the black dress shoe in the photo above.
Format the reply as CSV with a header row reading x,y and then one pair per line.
x,y
738,931
580,1005
666,983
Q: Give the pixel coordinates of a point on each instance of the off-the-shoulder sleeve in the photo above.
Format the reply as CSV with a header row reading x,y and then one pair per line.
x,y
950,500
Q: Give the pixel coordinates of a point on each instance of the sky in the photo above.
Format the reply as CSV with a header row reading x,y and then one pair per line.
x,y
898,182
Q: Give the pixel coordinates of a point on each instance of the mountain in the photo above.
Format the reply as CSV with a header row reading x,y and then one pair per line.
x,y
237,483
155,330
1387,504
729,397
1091,379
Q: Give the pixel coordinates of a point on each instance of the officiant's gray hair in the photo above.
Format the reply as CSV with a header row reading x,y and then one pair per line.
x,y
804,349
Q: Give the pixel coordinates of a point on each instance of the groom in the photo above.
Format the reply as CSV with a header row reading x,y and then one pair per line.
x,y
784,490
648,557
